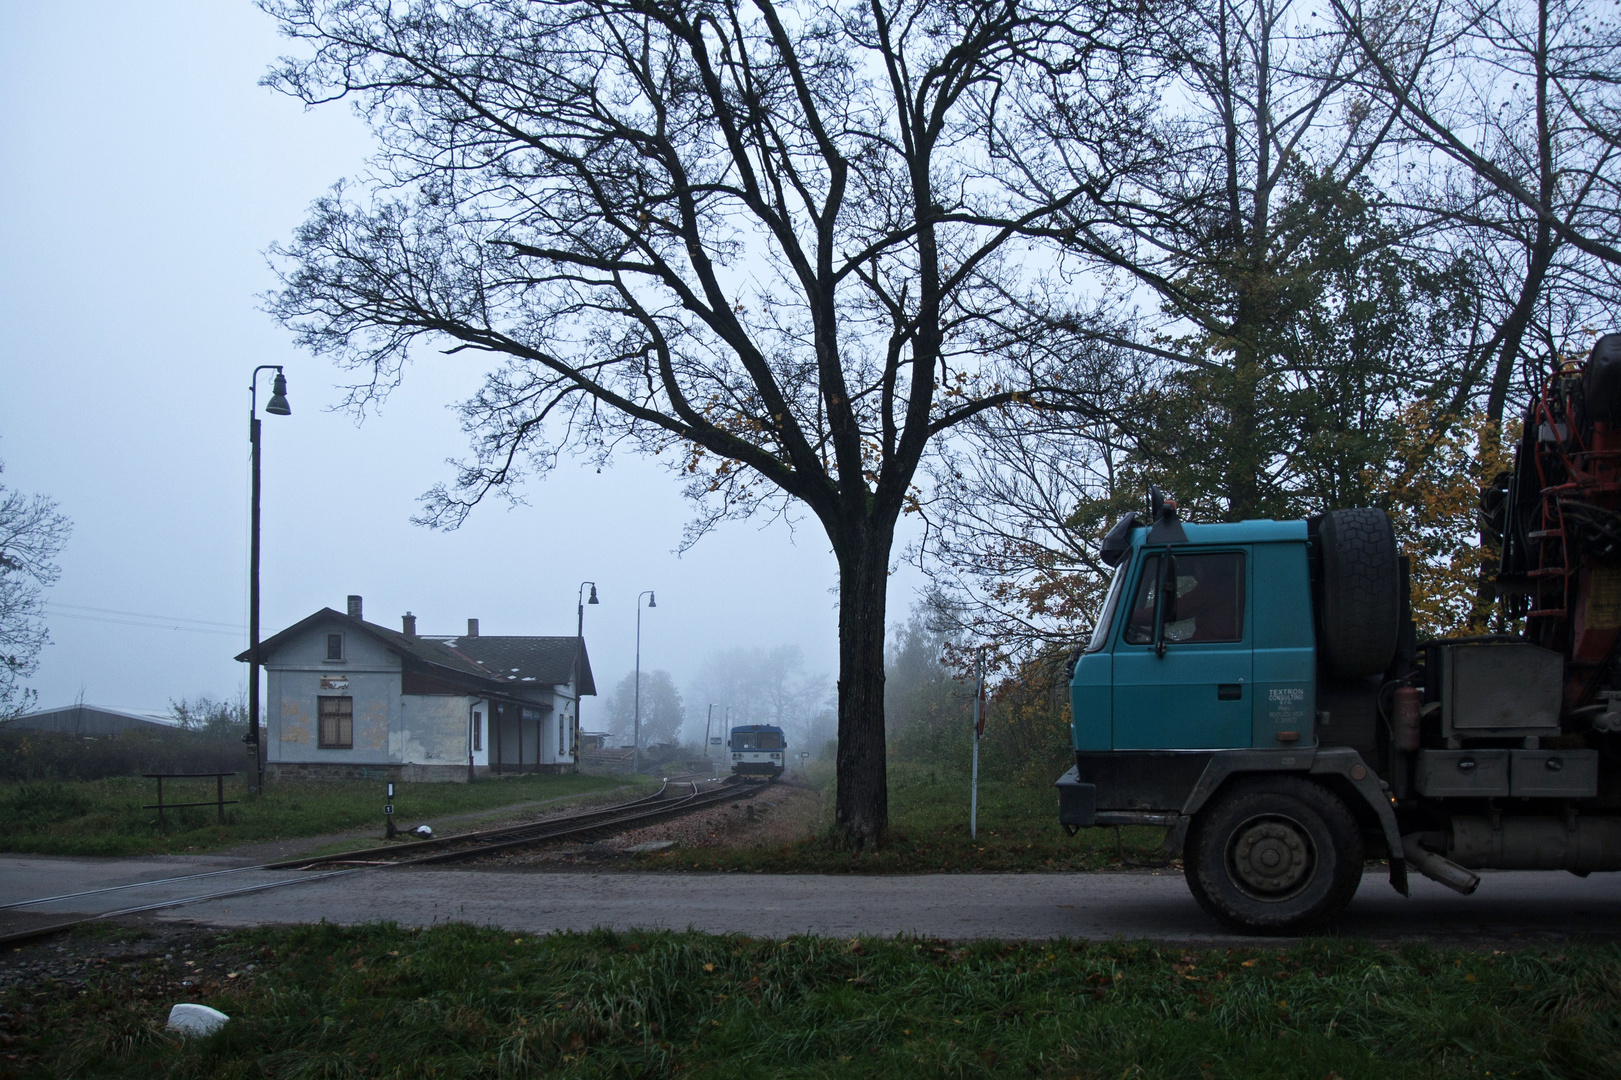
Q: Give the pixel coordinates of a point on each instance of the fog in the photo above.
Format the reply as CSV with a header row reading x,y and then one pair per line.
x,y
145,173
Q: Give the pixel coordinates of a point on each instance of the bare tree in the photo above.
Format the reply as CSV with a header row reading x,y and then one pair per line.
x,y
1293,310
1521,98
32,534
782,243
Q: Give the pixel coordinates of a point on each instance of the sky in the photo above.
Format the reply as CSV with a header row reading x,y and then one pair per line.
x,y
144,172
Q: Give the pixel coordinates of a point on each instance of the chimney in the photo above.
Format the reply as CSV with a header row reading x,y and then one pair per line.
x,y
354,606
410,622
472,628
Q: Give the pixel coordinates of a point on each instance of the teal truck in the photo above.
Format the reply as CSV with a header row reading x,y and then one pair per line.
x,y
1258,689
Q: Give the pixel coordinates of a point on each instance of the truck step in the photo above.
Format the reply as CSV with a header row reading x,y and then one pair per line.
x,y
1550,571
1545,613
1543,534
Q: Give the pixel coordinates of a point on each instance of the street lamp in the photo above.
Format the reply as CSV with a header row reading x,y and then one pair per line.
x,y
652,603
579,650
707,720
276,406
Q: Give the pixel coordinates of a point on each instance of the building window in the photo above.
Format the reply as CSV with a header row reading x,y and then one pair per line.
x,y
478,731
334,646
337,723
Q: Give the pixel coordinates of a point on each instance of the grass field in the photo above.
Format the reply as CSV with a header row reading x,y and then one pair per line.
x,y
105,817
928,813
456,1001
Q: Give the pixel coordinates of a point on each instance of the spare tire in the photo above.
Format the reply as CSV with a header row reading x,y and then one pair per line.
x,y
1360,612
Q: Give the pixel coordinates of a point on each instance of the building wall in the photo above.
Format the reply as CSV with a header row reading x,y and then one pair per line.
x,y
299,674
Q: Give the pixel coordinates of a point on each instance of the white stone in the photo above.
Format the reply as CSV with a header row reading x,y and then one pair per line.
x,y
189,1019
423,831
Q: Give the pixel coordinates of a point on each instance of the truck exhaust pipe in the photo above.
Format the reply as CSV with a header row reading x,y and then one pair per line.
x,y
1437,867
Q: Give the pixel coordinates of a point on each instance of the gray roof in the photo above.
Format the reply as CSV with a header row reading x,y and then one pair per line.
x,y
88,720
513,662
527,660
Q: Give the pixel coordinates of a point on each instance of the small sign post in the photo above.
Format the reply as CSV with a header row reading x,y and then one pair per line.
x,y
388,812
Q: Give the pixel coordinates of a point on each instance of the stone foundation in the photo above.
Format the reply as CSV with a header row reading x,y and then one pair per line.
x,y
398,773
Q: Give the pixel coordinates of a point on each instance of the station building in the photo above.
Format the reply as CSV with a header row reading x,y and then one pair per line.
x,y
349,699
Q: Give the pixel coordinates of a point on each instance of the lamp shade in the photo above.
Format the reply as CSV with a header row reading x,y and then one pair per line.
x,y
277,405
593,595
652,601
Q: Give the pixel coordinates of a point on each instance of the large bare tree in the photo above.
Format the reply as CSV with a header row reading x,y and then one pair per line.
x,y
782,241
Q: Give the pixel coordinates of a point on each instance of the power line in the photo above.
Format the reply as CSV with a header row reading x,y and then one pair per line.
x,y
143,625
239,627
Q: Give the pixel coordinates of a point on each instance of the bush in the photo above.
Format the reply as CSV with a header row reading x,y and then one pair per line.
x,y
50,755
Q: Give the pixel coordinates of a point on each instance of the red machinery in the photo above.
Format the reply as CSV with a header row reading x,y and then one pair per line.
x,y
1559,518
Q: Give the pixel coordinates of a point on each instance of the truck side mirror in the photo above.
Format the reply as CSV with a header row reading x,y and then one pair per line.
x,y
1164,601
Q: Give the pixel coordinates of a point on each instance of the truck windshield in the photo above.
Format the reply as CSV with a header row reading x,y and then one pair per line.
x,y
1100,632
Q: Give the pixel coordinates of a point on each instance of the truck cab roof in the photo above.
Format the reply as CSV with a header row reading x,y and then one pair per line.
x,y
1256,531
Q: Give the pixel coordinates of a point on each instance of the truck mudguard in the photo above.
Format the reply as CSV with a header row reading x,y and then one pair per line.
x,y
1078,801
1334,760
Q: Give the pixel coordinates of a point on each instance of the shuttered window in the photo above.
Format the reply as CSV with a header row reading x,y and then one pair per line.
x,y
337,723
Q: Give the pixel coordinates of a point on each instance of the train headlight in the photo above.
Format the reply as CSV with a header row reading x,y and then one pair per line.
x,y
737,757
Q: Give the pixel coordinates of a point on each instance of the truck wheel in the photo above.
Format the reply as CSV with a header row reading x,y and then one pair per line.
x,y
1274,855
1361,601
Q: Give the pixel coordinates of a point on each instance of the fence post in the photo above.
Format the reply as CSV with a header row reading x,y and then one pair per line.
x,y
219,793
161,825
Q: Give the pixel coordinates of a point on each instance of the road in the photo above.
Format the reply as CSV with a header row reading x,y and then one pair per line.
x,y
1010,906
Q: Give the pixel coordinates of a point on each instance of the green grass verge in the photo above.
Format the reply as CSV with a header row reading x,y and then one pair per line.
x,y
457,1001
106,817
928,815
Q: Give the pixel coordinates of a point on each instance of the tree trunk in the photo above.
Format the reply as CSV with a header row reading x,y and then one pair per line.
x,y
862,802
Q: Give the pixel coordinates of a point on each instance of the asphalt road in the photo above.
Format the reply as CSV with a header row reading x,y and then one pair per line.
x,y
1011,906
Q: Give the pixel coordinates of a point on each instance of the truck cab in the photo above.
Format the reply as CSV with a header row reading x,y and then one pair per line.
x,y
1258,689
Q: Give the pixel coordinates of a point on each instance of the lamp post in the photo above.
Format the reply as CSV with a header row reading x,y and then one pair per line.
x,y
579,650
707,720
652,602
276,406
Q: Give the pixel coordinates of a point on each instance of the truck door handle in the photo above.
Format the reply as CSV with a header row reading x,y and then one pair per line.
x,y
1229,691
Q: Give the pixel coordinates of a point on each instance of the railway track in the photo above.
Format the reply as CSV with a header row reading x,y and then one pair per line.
x,y
660,806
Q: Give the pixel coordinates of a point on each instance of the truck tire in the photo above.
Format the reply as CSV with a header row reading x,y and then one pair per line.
x,y
1274,855
1361,601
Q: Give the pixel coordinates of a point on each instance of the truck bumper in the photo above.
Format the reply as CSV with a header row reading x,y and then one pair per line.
x,y
1077,802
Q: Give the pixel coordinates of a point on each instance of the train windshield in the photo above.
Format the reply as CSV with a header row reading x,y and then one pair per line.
x,y
756,740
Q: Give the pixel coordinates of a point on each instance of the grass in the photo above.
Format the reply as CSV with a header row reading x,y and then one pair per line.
x,y
106,817
928,815
457,1001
